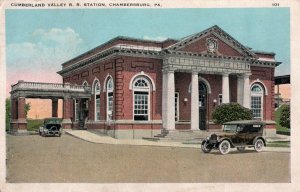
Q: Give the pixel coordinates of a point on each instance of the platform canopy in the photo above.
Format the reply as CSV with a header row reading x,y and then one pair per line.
x,y
49,90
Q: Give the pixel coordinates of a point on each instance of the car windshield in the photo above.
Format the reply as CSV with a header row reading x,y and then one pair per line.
x,y
52,121
230,128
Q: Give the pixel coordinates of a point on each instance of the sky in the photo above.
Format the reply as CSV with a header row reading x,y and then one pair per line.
x,y
39,41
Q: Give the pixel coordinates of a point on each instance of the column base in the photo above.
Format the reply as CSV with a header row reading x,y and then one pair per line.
x,y
18,124
67,124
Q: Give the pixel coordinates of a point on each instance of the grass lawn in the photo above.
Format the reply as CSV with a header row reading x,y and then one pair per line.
x,y
279,144
34,124
278,126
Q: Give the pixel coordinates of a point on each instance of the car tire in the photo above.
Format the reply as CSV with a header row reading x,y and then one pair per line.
x,y
241,149
259,145
204,147
224,147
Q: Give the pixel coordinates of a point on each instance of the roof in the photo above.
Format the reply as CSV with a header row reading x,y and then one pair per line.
x,y
285,79
116,39
245,122
172,46
218,32
264,52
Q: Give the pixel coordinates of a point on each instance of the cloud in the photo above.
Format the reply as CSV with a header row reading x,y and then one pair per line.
x,y
39,58
157,38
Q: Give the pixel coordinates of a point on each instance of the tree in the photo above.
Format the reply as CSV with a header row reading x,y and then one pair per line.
x,y
7,113
230,112
27,108
285,116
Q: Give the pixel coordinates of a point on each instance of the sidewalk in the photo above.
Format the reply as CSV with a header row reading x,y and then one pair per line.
x,y
103,139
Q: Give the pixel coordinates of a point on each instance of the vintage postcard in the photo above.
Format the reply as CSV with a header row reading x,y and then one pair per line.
x,y
149,95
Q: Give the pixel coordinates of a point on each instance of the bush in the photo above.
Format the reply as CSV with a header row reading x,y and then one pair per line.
x,y
34,124
285,116
230,112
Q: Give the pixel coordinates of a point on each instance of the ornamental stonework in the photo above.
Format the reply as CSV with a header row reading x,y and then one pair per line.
x,y
212,45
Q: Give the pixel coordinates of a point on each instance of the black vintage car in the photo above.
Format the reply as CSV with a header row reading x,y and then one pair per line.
x,y
51,127
236,134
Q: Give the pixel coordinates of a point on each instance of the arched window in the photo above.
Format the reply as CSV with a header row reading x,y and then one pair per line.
x,y
110,96
97,100
257,93
141,98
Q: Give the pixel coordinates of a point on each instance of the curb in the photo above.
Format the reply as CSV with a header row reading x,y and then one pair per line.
x,y
161,144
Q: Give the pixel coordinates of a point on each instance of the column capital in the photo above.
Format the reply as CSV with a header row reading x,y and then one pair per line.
x,y
168,70
245,75
225,74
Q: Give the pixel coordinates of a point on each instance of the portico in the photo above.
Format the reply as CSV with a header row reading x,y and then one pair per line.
x,y
197,66
54,91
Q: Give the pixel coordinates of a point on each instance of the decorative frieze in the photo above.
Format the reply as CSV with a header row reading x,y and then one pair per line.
x,y
206,65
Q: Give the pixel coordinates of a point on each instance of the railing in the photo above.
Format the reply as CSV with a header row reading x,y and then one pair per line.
x,y
138,47
22,85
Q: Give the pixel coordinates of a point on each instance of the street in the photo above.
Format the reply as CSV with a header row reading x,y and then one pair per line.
x,y
67,159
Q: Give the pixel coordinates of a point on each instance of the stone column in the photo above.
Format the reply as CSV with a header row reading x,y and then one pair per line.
x,y
170,108
67,113
195,102
246,100
22,123
54,107
240,90
225,88
164,100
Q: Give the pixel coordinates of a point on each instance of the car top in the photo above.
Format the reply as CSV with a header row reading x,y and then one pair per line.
x,y
53,118
245,122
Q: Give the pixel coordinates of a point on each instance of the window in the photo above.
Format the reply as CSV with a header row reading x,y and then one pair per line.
x,y
110,96
257,101
220,99
76,110
141,101
97,100
176,106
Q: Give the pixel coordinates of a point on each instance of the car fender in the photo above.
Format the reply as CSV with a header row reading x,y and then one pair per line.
x,y
225,138
259,137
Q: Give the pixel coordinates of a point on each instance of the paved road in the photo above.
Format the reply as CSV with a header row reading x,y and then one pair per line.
x,y
67,159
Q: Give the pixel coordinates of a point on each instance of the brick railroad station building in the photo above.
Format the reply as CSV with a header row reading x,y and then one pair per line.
x,y
133,88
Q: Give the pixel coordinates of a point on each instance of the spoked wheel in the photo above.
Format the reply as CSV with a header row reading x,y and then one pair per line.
x,y
204,147
241,149
259,145
224,147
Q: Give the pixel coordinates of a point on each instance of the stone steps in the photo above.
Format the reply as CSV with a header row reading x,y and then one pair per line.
x,y
183,136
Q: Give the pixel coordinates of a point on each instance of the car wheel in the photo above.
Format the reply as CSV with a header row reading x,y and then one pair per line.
x,y
224,147
241,149
259,145
204,147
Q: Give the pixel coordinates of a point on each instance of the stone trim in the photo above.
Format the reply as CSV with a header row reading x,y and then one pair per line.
x,y
206,66
258,81
110,51
142,74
